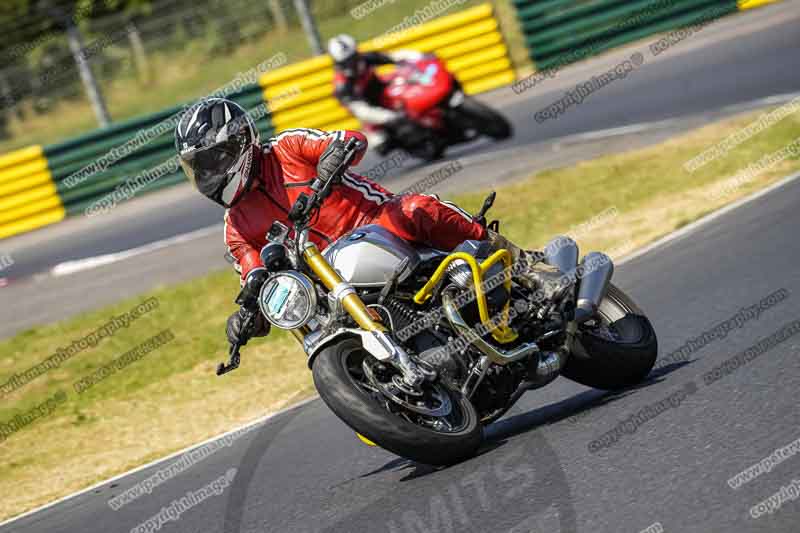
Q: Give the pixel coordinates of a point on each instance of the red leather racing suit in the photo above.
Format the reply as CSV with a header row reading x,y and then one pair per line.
x,y
289,165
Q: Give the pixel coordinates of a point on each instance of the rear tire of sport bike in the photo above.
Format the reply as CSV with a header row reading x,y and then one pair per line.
x,y
429,150
334,373
415,139
486,120
620,352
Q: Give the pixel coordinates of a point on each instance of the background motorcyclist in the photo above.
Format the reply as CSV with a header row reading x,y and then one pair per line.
x,y
359,88
221,153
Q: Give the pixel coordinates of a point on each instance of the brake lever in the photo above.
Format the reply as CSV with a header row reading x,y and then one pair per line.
x,y
233,364
235,358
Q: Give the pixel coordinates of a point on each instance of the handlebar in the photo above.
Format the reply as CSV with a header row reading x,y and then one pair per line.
x,y
300,214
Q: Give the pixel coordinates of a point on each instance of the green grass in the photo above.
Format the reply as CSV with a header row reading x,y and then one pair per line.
x,y
172,398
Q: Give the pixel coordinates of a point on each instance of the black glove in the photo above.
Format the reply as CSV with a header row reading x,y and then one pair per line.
x,y
330,160
259,327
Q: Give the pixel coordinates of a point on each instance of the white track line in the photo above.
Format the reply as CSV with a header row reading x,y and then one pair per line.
x,y
79,265
697,224
595,135
647,126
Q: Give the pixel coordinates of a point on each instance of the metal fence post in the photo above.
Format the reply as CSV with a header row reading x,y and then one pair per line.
x,y
139,53
278,15
309,25
90,84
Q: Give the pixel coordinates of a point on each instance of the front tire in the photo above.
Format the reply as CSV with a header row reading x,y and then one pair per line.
x,y
335,373
619,352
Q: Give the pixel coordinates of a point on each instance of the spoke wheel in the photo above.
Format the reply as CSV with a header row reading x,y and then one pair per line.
x,y
434,425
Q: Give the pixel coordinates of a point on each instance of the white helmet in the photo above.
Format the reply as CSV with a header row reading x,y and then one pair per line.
x,y
342,48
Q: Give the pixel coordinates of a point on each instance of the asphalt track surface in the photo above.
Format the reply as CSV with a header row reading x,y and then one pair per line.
x,y
744,58
304,470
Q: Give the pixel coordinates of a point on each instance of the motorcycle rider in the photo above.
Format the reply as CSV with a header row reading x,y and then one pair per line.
x,y
358,88
220,152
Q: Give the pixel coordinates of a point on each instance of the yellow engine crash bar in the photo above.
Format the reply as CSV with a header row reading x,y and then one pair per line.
x,y
501,332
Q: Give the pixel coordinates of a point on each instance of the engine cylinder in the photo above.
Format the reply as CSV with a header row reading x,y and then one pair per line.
x,y
562,253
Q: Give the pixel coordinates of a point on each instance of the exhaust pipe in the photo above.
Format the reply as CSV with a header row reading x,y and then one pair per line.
x,y
594,274
495,355
548,367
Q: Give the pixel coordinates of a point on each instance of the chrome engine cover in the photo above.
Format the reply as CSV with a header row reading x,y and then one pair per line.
x,y
366,256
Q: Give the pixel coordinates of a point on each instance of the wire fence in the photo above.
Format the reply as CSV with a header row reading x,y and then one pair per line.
x,y
119,44
38,69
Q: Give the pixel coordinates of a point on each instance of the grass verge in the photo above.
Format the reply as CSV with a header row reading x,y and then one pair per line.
x,y
171,397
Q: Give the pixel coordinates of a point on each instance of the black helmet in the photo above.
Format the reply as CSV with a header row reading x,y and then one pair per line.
x,y
217,144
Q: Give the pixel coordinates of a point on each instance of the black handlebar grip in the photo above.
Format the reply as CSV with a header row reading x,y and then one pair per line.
x,y
352,143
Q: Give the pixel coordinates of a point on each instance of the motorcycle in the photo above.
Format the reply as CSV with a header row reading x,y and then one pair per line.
x,y
417,349
439,114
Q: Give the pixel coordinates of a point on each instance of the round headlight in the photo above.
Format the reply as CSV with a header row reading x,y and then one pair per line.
x,y
288,299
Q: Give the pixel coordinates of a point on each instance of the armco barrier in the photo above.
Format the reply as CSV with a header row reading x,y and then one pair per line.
x,y
28,196
469,42
558,32
750,4
86,168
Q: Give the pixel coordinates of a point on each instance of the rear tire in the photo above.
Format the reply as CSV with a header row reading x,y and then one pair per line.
x,y
486,120
415,139
607,364
353,405
429,150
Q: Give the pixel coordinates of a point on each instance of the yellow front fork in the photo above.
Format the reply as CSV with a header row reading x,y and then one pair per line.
x,y
501,332
331,279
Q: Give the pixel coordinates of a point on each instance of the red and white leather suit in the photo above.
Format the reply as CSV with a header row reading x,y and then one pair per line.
x,y
289,165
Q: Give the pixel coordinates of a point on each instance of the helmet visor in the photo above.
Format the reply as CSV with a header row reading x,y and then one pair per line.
x,y
208,168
